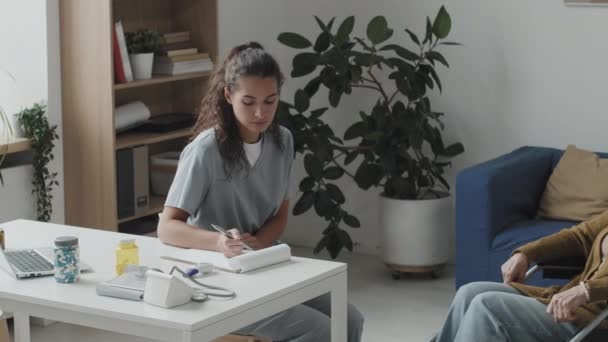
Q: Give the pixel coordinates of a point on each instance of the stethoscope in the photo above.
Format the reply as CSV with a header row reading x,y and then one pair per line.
x,y
200,295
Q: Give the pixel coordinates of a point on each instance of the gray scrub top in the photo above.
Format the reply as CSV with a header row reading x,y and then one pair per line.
x,y
248,200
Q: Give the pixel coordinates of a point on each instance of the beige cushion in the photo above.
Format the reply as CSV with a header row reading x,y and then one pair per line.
x,y
578,187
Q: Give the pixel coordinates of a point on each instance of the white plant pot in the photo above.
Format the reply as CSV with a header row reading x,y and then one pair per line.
x,y
141,63
414,233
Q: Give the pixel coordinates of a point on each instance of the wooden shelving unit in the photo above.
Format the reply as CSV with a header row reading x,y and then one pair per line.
x,y
90,96
156,206
15,145
125,140
157,79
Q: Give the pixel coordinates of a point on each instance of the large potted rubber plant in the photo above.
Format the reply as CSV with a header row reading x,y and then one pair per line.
x,y
395,143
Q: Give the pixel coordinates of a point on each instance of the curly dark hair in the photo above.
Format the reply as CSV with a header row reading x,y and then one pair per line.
x,y
248,59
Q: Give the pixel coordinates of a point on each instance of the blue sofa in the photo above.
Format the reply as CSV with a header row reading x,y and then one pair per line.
x,y
496,206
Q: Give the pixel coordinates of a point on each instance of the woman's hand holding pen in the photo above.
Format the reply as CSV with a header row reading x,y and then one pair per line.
x,y
230,247
252,241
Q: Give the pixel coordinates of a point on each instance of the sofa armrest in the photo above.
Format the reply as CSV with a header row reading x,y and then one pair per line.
x,y
491,196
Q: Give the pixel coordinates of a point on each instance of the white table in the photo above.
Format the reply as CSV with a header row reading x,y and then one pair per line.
x,y
260,293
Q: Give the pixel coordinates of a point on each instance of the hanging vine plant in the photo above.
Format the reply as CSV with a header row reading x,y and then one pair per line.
x,y
36,127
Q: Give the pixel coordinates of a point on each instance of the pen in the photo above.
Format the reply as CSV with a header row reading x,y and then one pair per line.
x,y
223,231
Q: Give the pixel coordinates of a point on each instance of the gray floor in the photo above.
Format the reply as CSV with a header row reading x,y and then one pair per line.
x,y
409,309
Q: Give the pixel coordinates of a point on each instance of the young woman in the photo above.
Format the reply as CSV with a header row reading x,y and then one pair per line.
x,y
236,173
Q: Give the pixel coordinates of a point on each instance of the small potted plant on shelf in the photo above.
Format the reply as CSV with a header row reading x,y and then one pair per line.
x,y
142,45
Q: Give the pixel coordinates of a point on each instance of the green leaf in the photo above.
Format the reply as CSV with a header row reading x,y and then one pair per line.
x,y
294,40
304,63
322,42
378,31
313,166
334,245
350,157
442,180
313,86
345,29
307,184
322,203
345,239
404,86
334,97
416,139
318,112
357,130
351,221
450,43
324,151
304,203
364,59
403,66
333,172
368,175
453,150
321,244
374,135
436,78
301,101
397,187
443,24
436,56
321,24
429,31
335,193
302,70
413,36
401,51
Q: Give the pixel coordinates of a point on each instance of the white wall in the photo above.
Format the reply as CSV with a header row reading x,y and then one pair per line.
x,y
530,73
30,51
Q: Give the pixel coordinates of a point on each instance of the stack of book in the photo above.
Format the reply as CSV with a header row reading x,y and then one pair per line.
x,y
180,57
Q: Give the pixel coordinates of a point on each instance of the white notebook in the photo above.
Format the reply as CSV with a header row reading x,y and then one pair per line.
x,y
248,261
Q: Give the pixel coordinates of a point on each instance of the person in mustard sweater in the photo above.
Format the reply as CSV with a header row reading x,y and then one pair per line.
x,y
512,311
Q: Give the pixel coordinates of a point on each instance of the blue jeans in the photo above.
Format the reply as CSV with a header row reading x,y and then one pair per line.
x,y
307,322
485,311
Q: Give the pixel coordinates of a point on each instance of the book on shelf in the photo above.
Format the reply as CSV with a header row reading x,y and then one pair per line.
x,y
181,52
182,58
119,71
123,53
176,37
182,67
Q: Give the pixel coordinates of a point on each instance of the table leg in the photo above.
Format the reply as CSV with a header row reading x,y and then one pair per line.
x,y
22,326
339,307
186,336
4,336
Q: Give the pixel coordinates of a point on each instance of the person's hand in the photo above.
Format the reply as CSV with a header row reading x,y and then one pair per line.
x,y
514,269
230,247
252,241
563,304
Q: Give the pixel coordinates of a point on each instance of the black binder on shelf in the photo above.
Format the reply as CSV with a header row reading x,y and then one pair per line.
x,y
132,180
